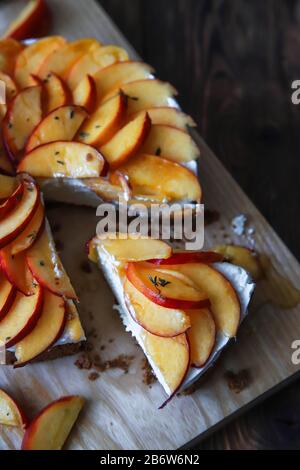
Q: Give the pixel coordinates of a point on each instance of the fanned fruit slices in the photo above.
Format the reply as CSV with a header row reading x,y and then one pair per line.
x,y
178,302
35,290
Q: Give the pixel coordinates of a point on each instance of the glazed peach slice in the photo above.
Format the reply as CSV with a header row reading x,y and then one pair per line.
x,y
225,304
11,414
129,249
61,60
105,189
112,77
46,332
31,232
8,184
158,320
33,21
94,61
167,289
85,93
46,267
60,124
242,256
104,122
17,219
23,115
56,93
171,143
50,429
10,203
144,94
175,182
7,295
63,159
185,257
9,51
21,318
171,357
201,335
169,116
29,60
16,271
126,141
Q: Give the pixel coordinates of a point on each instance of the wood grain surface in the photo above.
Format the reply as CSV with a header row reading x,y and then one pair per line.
x,y
263,349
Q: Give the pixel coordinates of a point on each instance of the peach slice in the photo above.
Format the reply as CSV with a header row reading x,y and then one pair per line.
x,y
30,59
184,257
242,256
57,93
8,185
59,124
127,141
16,271
155,319
61,60
104,189
23,115
46,332
63,159
225,304
21,318
9,51
7,295
167,289
144,94
168,116
33,21
134,249
175,182
94,61
17,219
31,232
112,77
46,267
171,143
12,201
104,122
11,414
171,357
85,93
202,336
50,429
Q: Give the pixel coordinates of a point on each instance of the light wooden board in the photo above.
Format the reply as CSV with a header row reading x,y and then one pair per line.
x,y
122,413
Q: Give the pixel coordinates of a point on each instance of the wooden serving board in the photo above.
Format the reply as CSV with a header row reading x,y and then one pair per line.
x,y
122,412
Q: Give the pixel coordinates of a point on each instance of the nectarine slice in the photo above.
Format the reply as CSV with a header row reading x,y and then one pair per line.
x,y
171,357
94,61
112,77
126,141
175,182
21,318
12,201
62,59
16,271
168,289
171,143
11,414
202,336
104,189
63,159
104,122
170,116
242,256
7,295
46,332
46,267
144,94
33,21
50,429
189,257
85,93
31,232
56,93
16,220
29,60
225,304
7,186
23,115
60,124
9,51
134,249
158,320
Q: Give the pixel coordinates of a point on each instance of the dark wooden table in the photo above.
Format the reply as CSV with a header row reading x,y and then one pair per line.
x,y
233,63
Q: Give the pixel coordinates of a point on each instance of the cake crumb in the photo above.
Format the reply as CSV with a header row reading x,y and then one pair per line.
x,y
84,362
148,375
93,376
238,381
122,362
